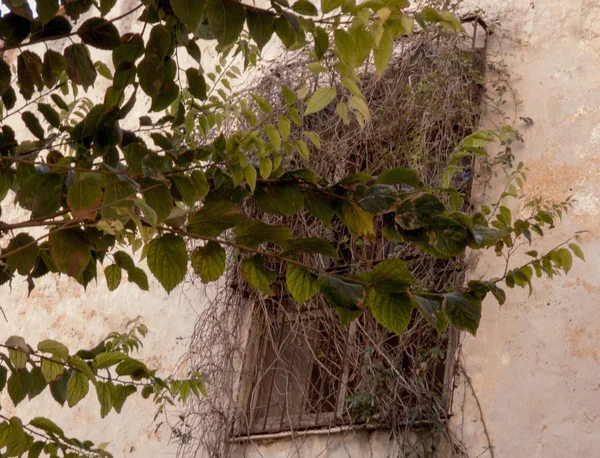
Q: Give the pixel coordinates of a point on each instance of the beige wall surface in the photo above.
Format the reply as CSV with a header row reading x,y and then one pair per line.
x,y
535,363
59,308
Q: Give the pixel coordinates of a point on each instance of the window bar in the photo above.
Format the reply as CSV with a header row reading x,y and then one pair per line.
x,y
287,386
343,386
259,370
282,326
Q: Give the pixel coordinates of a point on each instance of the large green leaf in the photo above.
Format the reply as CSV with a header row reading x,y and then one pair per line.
x,y
208,261
257,275
309,245
260,26
447,238
167,260
225,20
305,7
353,46
33,124
77,388
392,311
18,385
84,198
80,67
355,218
50,114
159,198
51,370
5,77
118,199
253,233
70,252
319,206
14,28
328,6
29,73
301,283
214,218
399,175
380,198
23,260
463,311
320,99
41,194
55,348
389,276
113,275
339,293
419,211
99,33
189,12
104,391
120,395
196,83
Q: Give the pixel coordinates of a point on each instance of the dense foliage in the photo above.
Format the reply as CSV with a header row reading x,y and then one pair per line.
x,y
93,191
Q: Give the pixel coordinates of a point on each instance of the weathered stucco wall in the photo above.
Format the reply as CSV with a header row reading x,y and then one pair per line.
x,y
59,308
535,364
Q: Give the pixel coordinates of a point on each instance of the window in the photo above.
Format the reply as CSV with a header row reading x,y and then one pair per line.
x,y
303,371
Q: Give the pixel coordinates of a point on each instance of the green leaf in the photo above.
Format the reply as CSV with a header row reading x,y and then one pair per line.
x,y
18,385
463,311
5,77
107,359
252,233
380,198
151,74
104,392
120,395
260,26
167,260
133,368
328,6
159,42
58,389
577,251
99,33
47,425
389,276
46,10
566,259
355,218
118,199
214,218
392,311
284,126
80,67
419,211
29,73
383,52
186,189
274,137
305,8
106,6
196,83
3,377
319,206
257,275
225,20
58,100
251,176
339,293
57,349
33,124
23,260
113,276
158,197
309,245
189,12
51,370
353,47
447,237
208,261
139,277
18,358
320,99
70,253
266,167
50,114
84,198
38,383
53,67
201,183
289,199
321,42
301,283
